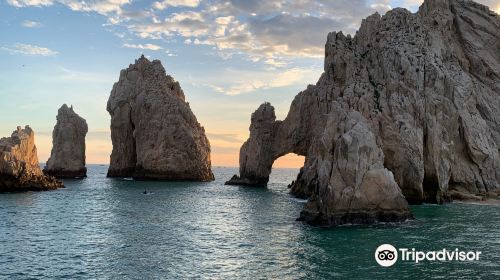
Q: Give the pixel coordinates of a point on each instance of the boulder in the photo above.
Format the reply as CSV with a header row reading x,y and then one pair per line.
x,y
19,167
155,134
67,159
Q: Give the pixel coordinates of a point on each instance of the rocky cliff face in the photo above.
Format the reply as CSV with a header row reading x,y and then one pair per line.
x,y
154,132
19,169
425,87
67,159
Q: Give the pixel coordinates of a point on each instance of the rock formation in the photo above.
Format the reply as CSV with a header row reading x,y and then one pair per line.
x,y
19,169
257,154
67,159
423,87
155,134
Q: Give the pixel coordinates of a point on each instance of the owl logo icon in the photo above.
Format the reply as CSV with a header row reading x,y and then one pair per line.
x,y
386,255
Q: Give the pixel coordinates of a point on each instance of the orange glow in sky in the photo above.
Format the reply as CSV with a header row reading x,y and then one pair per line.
x,y
98,151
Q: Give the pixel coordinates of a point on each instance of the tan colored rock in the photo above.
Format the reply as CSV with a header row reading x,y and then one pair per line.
x,y
19,167
67,158
155,134
358,189
428,86
255,169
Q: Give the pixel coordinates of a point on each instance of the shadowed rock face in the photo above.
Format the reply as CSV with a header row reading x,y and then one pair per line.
x,y
154,132
19,169
424,86
67,159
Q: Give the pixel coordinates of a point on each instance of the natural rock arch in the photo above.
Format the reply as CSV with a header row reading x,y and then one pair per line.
x,y
268,141
417,94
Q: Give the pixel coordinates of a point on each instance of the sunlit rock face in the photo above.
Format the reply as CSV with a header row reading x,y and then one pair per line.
x,y
19,167
425,87
67,158
155,134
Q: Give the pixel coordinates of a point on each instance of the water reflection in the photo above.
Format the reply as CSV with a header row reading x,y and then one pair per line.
x,y
106,228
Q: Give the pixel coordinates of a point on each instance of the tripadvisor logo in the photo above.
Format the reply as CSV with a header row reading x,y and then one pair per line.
x,y
387,255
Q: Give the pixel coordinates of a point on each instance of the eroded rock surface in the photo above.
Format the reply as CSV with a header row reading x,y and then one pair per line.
x,y
427,85
19,167
155,134
67,159
255,169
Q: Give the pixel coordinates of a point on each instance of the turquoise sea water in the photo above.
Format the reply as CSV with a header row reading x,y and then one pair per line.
x,y
101,228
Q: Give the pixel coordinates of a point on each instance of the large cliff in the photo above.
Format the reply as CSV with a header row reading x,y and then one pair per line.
x,y
155,134
67,158
425,87
19,168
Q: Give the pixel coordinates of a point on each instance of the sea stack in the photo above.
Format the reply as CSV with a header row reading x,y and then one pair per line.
x,y
155,134
255,169
19,167
67,159
412,100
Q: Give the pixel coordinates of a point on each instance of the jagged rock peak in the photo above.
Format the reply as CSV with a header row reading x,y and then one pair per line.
x,y
427,85
19,167
67,158
255,170
155,134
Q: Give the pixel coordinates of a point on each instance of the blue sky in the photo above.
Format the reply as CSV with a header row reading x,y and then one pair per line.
x,y
229,57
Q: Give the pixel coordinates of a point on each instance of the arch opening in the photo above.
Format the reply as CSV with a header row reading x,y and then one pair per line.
x,y
285,169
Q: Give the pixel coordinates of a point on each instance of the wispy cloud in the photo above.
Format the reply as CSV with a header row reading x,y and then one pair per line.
x,y
81,76
227,137
152,47
254,81
26,49
266,31
161,5
31,24
104,7
26,3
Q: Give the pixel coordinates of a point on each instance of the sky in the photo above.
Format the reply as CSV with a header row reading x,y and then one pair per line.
x,y
229,56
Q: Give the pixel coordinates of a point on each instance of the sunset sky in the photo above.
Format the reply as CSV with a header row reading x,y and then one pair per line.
x,y
229,57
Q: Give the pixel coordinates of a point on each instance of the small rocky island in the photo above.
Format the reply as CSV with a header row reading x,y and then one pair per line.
x,y
155,134
67,158
19,167
406,110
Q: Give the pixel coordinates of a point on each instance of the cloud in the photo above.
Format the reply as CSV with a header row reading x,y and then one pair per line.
x,y
80,76
175,3
26,3
414,4
291,35
143,46
103,7
186,24
270,31
266,31
226,137
26,49
252,7
251,81
31,24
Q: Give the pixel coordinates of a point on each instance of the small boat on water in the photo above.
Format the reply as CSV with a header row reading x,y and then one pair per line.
x,y
146,192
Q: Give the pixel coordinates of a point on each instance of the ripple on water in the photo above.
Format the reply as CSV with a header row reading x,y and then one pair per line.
x,y
105,228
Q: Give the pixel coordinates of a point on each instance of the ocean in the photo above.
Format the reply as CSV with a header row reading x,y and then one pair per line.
x,y
101,228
